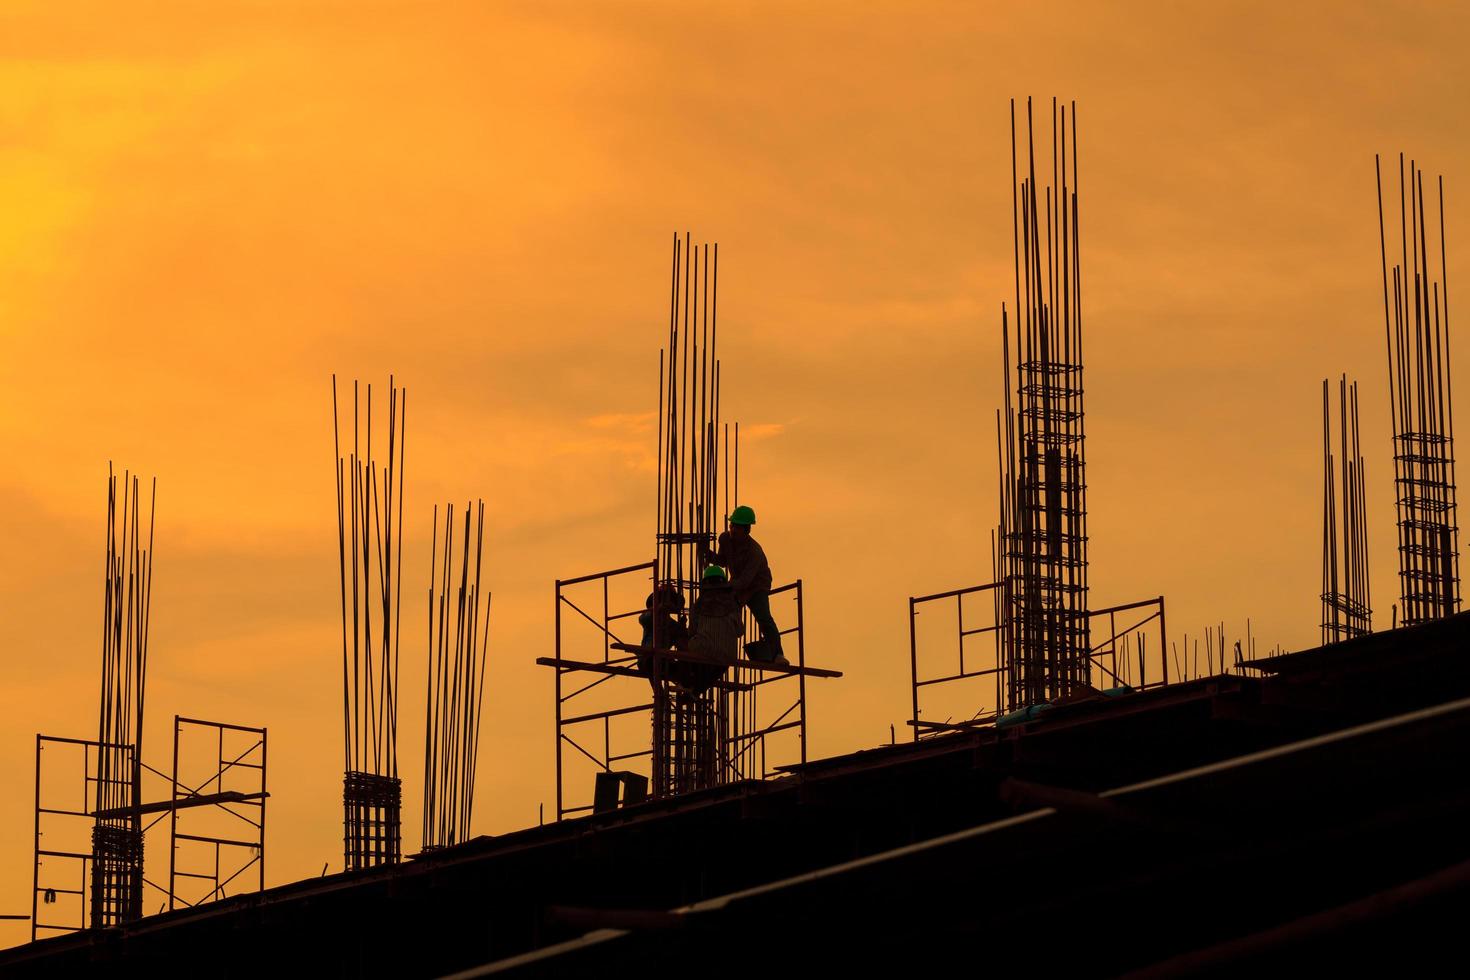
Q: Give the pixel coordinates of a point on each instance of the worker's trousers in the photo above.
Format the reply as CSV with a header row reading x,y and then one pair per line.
x,y
759,605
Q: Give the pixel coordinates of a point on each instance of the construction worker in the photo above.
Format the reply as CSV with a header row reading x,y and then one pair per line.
x,y
714,626
750,578
672,634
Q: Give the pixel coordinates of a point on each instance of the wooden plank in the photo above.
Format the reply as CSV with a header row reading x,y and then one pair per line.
x,y
187,802
594,667
622,671
694,658
945,726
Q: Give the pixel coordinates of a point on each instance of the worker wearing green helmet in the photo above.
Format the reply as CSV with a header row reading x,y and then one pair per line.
x,y
715,629
750,579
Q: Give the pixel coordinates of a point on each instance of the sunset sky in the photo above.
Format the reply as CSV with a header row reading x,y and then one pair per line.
x,y
207,208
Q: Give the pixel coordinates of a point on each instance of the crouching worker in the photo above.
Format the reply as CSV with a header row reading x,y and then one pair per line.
x,y
671,633
714,627
750,579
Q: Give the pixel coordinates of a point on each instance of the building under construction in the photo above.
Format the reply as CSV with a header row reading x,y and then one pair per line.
x,y
1308,811
1099,804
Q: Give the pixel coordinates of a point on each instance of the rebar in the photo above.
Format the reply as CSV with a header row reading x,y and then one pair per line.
x,y
1346,604
1417,330
456,683
369,551
692,469
117,842
1043,521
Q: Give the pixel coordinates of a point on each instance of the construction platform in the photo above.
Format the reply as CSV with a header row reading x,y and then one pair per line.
x,y
683,656
1310,812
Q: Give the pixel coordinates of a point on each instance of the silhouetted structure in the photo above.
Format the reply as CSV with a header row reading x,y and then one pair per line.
x,y
117,841
689,722
370,560
712,721
216,811
1043,527
216,788
99,882
456,688
1346,606
1168,823
1416,323
1035,613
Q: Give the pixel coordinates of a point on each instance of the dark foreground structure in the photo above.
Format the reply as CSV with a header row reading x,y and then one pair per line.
x,y
1311,814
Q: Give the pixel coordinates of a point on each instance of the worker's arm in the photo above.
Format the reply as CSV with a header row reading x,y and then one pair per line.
x,y
720,556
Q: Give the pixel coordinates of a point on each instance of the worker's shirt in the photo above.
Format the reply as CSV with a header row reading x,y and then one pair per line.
x,y
749,571
715,626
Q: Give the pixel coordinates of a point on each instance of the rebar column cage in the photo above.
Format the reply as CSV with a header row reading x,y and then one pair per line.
x,y
370,575
1130,653
730,733
372,807
1043,527
235,788
116,879
62,875
1347,609
117,873
1417,331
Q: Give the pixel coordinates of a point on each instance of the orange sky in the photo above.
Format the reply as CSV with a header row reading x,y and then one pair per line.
x,y
207,208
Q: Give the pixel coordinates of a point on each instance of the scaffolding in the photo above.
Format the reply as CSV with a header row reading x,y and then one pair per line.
x,y
961,669
709,721
1417,330
200,793
65,821
750,724
230,796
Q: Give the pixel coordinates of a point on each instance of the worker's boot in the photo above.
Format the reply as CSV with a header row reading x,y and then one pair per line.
x,y
766,651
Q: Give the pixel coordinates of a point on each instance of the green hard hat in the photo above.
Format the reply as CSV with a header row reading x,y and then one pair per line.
x,y
714,572
743,515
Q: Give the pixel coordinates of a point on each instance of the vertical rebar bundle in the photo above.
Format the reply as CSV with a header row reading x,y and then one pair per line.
x,y
1346,605
456,688
691,505
1043,524
688,469
117,842
369,550
694,750
1416,323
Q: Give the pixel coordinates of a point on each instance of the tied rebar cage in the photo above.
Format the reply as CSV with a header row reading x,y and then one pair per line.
x,y
372,808
693,472
370,562
692,749
117,874
117,840
1043,524
456,687
1417,328
1346,606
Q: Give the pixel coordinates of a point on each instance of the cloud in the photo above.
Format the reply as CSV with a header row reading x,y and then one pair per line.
x,y
761,431
633,422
